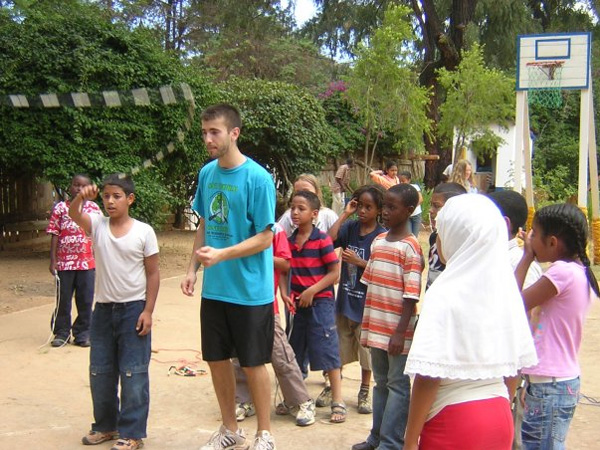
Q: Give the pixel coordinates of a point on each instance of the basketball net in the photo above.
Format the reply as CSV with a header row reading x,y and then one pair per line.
x,y
546,77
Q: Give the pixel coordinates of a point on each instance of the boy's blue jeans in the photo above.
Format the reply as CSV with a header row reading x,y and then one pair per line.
x,y
391,398
549,408
119,353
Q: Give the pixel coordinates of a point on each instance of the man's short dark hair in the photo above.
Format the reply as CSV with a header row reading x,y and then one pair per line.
x,y
310,197
449,190
407,193
229,113
123,181
512,205
406,174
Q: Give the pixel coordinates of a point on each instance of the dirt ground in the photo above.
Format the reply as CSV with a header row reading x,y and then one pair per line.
x,y
44,392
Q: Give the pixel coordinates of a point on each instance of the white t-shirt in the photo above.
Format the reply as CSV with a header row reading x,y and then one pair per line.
x,y
452,392
325,220
120,271
418,209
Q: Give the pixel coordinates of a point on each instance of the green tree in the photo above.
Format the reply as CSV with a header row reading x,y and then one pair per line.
x,y
476,97
63,47
284,127
384,89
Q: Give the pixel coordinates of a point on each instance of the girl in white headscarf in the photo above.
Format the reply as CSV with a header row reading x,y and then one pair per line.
x,y
472,333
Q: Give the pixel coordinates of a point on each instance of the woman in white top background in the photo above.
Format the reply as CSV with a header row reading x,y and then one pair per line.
x,y
326,218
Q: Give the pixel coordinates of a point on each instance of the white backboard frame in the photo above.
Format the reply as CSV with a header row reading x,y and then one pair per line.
x,y
572,49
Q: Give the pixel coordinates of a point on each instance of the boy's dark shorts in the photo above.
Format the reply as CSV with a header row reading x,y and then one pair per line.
x,y
229,330
314,334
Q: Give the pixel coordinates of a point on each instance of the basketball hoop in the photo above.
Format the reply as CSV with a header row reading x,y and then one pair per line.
x,y
545,82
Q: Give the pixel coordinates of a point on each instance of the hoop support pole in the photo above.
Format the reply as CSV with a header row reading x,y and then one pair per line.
x,y
519,119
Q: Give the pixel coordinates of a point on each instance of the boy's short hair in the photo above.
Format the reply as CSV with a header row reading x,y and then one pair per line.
x,y
406,174
123,181
449,190
311,198
407,193
229,113
81,175
512,205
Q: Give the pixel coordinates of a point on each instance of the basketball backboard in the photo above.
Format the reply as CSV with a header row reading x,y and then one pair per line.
x,y
558,60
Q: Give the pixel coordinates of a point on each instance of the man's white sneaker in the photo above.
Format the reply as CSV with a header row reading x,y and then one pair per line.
x,y
306,414
264,441
225,439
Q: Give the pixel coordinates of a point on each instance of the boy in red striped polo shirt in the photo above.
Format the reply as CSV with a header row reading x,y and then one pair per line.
x,y
314,271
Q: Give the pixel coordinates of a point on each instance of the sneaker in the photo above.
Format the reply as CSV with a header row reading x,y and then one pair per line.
x,y
128,444
244,410
98,437
59,341
306,414
325,397
225,439
85,343
263,441
364,402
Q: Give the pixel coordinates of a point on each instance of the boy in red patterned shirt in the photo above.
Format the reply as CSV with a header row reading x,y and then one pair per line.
x,y
72,262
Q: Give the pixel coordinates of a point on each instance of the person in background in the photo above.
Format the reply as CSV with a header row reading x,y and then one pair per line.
x,y
72,262
325,219
462,173
388,177
295,395
341,186
441,193
513,208
415,218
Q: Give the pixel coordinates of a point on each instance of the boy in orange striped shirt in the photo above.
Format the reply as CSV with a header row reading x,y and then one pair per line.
x,y
393,279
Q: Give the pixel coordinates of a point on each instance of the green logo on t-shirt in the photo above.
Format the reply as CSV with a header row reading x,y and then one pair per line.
x,y
219,208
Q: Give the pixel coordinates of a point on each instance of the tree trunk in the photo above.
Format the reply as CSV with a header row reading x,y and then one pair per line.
x,y
448,44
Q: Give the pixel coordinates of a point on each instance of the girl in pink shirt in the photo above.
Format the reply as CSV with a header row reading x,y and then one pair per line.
x,y
564,294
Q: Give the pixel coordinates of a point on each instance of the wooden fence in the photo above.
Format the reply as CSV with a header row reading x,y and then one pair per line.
x,y
25,206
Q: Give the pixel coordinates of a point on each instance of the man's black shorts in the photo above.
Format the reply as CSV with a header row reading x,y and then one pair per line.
x,y
229,330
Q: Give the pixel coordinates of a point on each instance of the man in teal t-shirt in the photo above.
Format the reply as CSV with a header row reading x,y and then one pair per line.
x,y
236,202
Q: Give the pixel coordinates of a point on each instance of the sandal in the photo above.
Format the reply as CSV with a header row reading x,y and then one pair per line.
x,y
128,444
282,409
339,410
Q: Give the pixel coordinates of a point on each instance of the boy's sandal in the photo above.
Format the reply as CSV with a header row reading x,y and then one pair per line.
x,y
128,444
338,412
282,409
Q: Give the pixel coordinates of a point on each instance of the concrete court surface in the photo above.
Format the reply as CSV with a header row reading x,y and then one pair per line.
x,y
45,401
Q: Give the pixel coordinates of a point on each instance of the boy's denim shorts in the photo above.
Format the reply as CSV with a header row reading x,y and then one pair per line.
x,y
314,333
549,408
